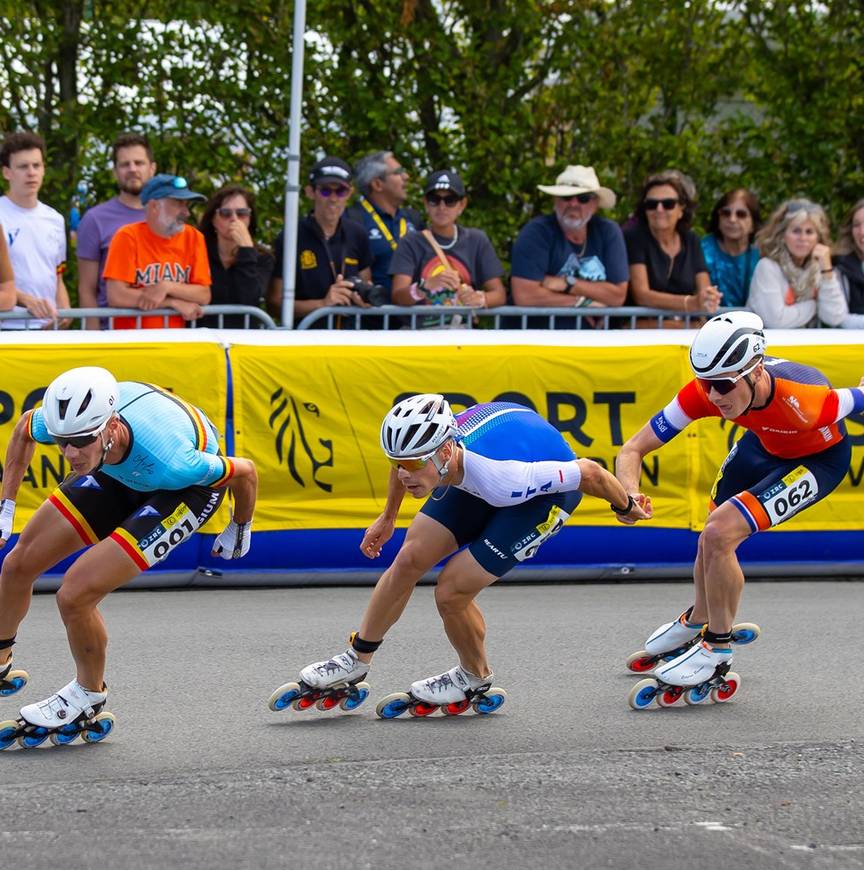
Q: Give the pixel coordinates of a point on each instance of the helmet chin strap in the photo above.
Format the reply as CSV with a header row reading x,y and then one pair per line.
x,y
748,379
106,448
443,468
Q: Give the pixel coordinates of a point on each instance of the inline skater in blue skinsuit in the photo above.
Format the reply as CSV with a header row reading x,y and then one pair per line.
x,y
501,480
146,473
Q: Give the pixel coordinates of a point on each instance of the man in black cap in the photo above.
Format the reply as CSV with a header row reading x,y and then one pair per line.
x,y
331,251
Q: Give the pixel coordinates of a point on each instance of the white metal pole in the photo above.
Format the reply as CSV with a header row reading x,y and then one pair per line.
x,y
292,180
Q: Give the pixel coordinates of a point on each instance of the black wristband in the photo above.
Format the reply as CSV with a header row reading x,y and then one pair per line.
x,y
626,510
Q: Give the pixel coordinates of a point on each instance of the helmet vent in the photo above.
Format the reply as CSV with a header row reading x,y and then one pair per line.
x,y
85,404
63,408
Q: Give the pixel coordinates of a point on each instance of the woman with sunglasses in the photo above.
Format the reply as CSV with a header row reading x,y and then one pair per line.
x,y
729,252
794,453
849,265
146,473
473,272
499,481
667,269
240,269
794,284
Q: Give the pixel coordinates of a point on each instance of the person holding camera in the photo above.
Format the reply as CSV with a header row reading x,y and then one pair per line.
x,y
448,264
333,256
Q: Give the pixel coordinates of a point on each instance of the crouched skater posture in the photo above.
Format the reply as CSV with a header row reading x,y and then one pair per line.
x,y
146,474
794,453
500,481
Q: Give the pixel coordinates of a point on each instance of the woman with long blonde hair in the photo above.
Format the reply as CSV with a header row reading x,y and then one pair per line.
x,y
794,283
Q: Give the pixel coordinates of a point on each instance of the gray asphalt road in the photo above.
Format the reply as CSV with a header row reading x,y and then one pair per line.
x,y
199,773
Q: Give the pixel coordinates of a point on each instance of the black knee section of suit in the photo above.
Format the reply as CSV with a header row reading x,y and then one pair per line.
x,y
5,644
713,637
358,644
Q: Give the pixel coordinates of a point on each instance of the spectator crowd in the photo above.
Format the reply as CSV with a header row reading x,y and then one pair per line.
x,y
361,246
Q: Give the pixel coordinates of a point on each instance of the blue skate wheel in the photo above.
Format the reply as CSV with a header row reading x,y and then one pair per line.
x,y
282,698
65,735
352,702
643,694
8,733
393,705
697,694
745,632
14,683
35,738
99,728
490,702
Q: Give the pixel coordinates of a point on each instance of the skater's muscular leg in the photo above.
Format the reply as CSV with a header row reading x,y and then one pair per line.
x,y
461,581
103,568
426,543
724,580
700,596
45,540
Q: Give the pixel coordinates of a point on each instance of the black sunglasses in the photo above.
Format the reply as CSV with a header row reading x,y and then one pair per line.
x,y
579,197
229,212
653,204
724,386
741,213
449,200
78,441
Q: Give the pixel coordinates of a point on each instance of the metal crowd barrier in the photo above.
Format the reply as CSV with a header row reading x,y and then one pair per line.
x,y
504,317
249,313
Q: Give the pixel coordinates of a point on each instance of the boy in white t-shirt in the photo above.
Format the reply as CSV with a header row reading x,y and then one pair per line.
x,y
35,233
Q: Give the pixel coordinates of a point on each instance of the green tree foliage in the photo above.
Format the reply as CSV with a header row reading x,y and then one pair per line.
x,y
755,93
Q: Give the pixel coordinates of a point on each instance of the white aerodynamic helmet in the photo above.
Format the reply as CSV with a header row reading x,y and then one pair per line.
x,y
417,426
80,401
726,344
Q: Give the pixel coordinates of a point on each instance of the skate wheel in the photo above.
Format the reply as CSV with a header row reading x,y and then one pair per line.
x,y
696,695
15,681
328,702
65,735
421,709
35,738
745,632
283,696
393,705
456,708
8,733
724,692
670,696
99,728
304,702
642,694
353,701
640,662
490,701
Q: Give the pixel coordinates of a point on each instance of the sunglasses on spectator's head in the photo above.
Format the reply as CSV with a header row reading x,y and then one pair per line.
x,y
668,204
579,197
449,199
724,386
230,212
340,191
741,213
78,441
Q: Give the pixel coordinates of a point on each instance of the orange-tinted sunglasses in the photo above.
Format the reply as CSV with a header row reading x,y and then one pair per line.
x,y
409,464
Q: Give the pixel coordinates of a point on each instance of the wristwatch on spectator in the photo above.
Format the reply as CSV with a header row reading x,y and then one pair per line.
x,y
570,281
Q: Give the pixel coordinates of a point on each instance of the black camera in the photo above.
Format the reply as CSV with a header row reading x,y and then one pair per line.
x,y
371,294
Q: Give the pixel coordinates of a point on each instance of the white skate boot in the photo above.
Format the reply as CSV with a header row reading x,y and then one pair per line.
x,y
672,635
64,706
451,687
695,666
343,668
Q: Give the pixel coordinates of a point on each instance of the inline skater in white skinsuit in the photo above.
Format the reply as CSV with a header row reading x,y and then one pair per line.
x,y
146,474
501,480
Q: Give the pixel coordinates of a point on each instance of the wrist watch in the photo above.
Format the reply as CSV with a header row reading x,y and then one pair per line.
x,y
570,281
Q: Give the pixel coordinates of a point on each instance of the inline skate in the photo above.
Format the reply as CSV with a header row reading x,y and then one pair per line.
x,y
336,682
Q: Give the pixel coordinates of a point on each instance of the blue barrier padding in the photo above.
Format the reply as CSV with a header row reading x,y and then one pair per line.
x,y
334,550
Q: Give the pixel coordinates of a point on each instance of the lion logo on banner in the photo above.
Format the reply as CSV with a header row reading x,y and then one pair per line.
x,y
287,422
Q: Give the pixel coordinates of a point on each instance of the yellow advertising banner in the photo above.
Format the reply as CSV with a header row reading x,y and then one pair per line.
x,y
194,371
310,418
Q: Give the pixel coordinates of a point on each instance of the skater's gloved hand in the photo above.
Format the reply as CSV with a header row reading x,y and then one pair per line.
x,y
641,510
7,517
376,536
234,542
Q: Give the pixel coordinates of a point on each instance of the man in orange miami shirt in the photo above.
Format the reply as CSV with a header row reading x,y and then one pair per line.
x,y
794,453
160,262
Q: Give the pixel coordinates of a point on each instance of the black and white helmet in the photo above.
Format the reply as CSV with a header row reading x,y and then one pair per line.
x,y
726,344
79,402
417,426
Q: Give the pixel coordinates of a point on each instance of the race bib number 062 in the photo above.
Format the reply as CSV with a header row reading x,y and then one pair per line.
x,y
789,495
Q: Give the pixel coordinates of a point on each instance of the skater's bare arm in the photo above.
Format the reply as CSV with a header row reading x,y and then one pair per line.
x,y
597,481
18,456
381,530
244,487
628,464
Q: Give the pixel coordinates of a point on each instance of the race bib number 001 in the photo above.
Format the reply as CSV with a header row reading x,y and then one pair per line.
x,y
168,534
789,495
